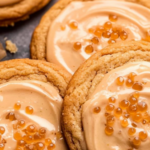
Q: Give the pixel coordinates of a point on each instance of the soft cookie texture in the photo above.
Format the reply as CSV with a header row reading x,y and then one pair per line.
x,y
87,77
25,69
19,11
39,38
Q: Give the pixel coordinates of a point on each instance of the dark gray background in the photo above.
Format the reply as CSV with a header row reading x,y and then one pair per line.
x,y
21,33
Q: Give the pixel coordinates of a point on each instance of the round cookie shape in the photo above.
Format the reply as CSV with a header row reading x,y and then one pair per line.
x,y
12,11
31,96
81,28
84,83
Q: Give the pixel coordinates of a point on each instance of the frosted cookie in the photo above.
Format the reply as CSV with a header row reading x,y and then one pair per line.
x,y
107,105
72,31
12,11
31,96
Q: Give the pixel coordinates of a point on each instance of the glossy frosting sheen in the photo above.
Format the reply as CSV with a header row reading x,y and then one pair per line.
x,y
8,2
94,124
131,17
45,101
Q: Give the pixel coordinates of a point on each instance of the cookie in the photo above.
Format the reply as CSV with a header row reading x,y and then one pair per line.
x,y
12,11
71,31
31,96
99,81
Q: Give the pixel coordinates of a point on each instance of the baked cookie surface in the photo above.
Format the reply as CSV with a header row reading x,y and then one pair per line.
x,y
84,83
12,11
50,40
31,101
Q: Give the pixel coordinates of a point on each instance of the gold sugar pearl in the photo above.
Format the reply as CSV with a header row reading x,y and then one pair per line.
x,y
148,36
124,123
29,110
143,135
144,121
3,141
97,109
20,148
129,82
124,104
132,76
120,81
142,106
48,141
101,28
77,46
89,49
118,112
2,130
51,146
113,18
110,107
112,99
21,123
42,131
108,25
126,115
136,94
17,106
40,146
98,33
115,35
37,136
136,141
109,130
92,30
30,147
133,100
131,131
17,135
95,40
111,41
137,117
2,146
110,120
132,109
31,128
107,114
11,116
106,34
29,138
73,25
123,35
137,86
21,143
134,124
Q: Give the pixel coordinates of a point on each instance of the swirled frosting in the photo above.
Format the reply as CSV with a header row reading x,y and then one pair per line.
x,y
46,103
117,114
75,23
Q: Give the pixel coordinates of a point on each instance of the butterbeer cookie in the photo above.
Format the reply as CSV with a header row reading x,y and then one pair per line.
x,y
31,96
12,11
73,30
107,101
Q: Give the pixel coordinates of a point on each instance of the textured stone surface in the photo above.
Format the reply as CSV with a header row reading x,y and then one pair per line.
x,y
21,34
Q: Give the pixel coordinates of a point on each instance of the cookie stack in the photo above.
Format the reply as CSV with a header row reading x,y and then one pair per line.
x,y
87,85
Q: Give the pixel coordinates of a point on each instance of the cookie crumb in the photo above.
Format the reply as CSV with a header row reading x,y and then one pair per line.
x,y
2,52
11,47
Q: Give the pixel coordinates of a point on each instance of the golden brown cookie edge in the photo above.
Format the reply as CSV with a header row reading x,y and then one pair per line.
x,y
87,77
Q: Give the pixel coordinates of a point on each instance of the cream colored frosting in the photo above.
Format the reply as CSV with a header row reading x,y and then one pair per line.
x,y
45,100
94,124
8,2
132,17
